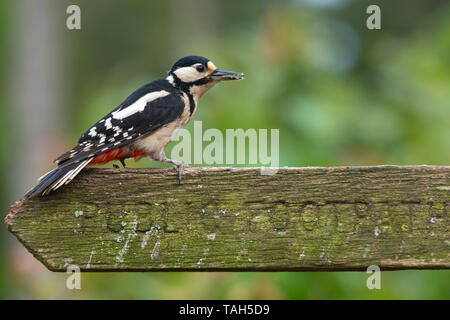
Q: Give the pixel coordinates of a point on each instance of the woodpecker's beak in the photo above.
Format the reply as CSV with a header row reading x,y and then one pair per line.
x,y
219,74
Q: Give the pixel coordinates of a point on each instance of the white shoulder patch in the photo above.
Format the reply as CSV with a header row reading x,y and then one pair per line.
x,y
139,105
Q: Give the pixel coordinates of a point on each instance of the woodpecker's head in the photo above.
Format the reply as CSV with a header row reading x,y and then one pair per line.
x,y
197,74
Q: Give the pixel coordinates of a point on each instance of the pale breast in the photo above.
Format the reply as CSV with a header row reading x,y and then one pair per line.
x,y
159,139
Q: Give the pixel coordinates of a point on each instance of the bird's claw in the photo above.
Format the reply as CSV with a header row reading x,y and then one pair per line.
x,y
179,167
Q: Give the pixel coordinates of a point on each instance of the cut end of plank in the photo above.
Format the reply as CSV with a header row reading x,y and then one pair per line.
x,y
9,219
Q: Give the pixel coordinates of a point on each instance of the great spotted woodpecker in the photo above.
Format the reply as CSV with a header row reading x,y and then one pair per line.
x,y
142,125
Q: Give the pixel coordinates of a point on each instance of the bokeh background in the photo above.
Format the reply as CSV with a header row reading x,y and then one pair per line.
x,y
339,93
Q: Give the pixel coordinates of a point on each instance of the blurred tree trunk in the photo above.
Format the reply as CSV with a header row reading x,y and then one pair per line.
x,y
37,81
36,108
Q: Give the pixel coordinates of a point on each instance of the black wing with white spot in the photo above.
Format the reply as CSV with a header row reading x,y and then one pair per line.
x,y
145,111
142,113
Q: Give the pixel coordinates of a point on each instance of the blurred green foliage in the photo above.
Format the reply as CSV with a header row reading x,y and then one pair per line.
x,y
339,93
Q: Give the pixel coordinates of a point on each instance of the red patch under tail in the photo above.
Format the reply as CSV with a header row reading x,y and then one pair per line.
x,y
117,154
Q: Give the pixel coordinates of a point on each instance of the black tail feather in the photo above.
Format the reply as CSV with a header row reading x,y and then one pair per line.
x,y
52,178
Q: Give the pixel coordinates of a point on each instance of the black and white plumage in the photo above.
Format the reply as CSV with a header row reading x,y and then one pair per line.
x,y
142,125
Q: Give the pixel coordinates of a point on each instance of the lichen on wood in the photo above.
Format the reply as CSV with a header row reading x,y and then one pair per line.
x,y
340,218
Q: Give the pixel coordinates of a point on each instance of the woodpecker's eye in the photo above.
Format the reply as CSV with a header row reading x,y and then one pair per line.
x,y
200,68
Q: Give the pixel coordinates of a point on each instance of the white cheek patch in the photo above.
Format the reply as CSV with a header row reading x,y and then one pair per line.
x,y
188,74
139,105
171,80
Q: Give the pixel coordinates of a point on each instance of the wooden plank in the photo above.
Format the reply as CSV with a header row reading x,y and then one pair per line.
x,y
340,218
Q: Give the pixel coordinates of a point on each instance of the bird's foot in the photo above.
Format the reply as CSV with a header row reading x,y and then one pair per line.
x,y
178,165
179,168
122,161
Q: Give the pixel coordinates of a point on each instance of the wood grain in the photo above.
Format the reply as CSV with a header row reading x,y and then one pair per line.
x,y
339,218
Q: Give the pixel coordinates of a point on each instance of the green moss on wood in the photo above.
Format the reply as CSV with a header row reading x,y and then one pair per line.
x,y
223,219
